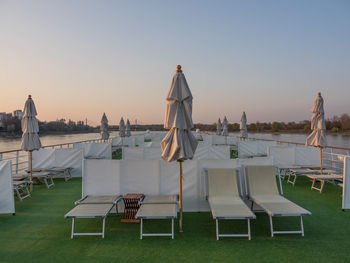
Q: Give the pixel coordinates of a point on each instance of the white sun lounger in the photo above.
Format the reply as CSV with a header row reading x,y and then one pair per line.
x,y
21,189
157,211
262,190
89,211
323,178
93,206
225,201
304,171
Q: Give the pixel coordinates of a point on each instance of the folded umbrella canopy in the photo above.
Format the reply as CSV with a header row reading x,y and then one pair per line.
x,y
218,127
318,135
128,129
243,127
122,128
104,127
225,127
30,129
179,144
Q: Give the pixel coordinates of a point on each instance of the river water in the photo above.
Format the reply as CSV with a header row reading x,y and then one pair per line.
x,y
14,144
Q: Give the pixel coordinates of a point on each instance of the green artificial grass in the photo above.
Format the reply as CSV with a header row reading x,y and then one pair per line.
x,y
39,233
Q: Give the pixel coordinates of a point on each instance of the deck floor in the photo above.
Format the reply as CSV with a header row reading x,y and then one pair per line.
x,y
39,233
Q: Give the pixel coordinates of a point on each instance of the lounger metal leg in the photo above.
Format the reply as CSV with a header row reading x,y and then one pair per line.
x,y
172,228
72,235
217,229
249,234
18,193
271,225
301,225
141,228
103,227
322,182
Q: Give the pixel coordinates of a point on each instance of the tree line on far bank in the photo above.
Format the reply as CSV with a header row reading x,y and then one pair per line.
x,y
12,126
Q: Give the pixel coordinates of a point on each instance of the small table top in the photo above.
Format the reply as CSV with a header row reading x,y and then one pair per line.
x,y
133,196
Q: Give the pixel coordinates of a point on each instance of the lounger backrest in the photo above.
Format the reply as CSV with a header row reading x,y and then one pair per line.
x,y
222,183
261,180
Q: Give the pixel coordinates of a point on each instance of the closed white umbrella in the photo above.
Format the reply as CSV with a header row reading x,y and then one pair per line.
x,y
30,129
128,129
243,126
318,135
225,127
104,127
179,144
219,127
122,128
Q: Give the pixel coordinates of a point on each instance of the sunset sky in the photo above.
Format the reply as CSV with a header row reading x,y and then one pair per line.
x,y
79,59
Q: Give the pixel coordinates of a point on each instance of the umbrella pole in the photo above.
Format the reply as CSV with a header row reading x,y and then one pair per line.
x,y
180,194
321,159
31,169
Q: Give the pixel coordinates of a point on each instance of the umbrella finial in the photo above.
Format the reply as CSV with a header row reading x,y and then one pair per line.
x,y
178,68
29,96
319,94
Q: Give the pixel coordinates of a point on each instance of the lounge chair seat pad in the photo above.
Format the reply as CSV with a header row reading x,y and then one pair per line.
x,y
276,205
90,210
155,211
229,208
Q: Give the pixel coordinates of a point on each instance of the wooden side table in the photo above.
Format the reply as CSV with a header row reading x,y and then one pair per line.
x,y
132,205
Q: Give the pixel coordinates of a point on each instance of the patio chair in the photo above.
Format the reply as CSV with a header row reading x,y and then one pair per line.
x,y
225,201
262,190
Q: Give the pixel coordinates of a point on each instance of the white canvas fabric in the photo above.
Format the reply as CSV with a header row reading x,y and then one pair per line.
x,y
127,128
7,201
294,155
122,127
247,149
179,143
104,127
225,127
264,145
95,150
139,140
154,177
243,126
282,155
117,141
30,127
218,127
346,184
318,126
50,158
128,141
218,140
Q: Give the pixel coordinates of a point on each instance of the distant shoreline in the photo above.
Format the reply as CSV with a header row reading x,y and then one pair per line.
x,y
16,136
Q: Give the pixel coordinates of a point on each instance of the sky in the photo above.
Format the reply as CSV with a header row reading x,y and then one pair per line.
x,y
79,59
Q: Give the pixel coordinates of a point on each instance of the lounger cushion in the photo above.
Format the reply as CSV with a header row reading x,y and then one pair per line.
x,y
90,210
160,199
157,211
276,205
229,208
100,199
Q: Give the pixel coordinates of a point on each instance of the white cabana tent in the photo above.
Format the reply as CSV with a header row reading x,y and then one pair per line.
x,y
179,144
7,200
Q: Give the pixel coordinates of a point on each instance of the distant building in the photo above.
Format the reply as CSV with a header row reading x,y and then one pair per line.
x,y
18,114
2,118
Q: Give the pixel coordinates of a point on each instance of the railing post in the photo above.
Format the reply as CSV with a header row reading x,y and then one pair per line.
x,y
0,156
